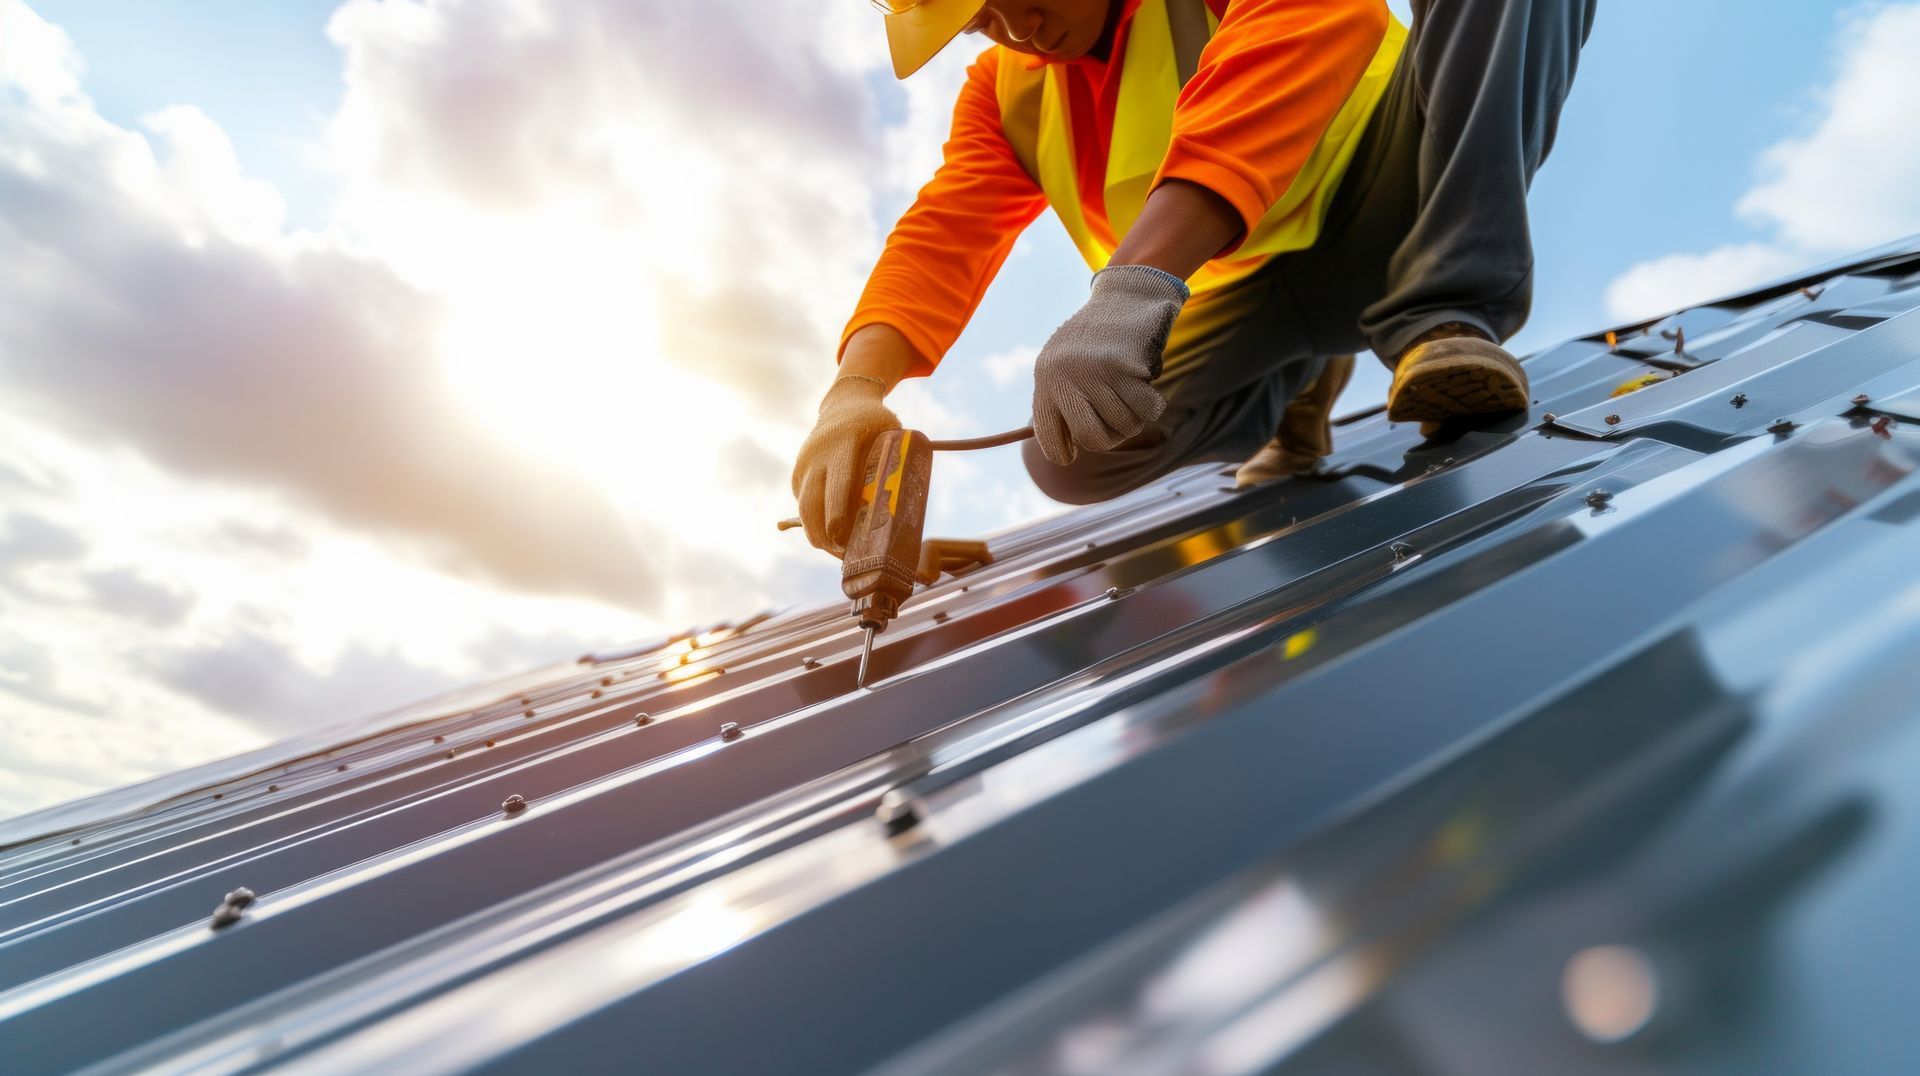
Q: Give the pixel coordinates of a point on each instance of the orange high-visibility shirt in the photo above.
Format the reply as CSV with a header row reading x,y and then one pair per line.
x,y
1270,81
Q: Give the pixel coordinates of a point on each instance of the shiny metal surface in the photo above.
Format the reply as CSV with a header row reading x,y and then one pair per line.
x,y
1560,746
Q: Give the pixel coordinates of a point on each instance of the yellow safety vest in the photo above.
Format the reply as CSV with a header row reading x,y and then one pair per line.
x,y
1163,47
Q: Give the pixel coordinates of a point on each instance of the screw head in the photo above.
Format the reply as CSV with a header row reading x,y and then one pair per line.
x,y
449,752
898,812
1613,420
1113,592
489,743
1781,427
273,788
1548,417
1862,399
342,768
1739,399
809,663
439,739
240,897
606,681
219,795
226,915
642,720
1400,550
1599,498
730,731
529,713
514,804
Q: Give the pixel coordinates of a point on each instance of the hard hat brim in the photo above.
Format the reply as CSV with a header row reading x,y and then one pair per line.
x,y
917,34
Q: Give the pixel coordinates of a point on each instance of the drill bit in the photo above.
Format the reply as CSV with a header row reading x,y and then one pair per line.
x,y
866,655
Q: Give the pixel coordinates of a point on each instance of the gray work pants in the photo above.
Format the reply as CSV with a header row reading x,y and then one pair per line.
x,y
1429,226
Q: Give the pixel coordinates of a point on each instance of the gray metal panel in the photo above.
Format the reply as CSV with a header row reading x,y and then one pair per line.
x,y
1781,377
1394,701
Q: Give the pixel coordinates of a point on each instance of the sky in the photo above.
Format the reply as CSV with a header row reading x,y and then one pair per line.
x,y
352,352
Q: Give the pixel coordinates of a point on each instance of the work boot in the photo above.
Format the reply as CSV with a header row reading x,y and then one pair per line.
x,y
1305,435
1451,372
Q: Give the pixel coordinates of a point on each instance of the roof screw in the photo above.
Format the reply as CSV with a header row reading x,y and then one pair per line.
x,y
1680,340
1781,427
1812,293
641,721
809,663
898,812
606,681
1113,593
940,616
1862,399
240,897
595,693
226,915
449,752
1613,420
1090,545
273,788
342,767
1739,399
963,587
730,731
525,701
1401,551
439,739
219,795
514,804
529,713
76,840
489,743
1598,498
1548,417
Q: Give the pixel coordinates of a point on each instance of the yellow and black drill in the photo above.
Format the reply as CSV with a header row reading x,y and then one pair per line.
x,y
885,556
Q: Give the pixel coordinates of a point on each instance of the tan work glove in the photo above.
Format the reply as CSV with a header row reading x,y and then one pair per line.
x,y
833,461
1093,382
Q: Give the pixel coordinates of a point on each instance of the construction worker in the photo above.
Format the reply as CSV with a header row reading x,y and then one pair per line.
x,y
1262,187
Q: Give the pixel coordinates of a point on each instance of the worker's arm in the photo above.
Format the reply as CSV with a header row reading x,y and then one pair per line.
x,y
948,246
1270,82
937,264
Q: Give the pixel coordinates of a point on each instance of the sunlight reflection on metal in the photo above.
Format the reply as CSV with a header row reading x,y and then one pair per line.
x,y
1610,992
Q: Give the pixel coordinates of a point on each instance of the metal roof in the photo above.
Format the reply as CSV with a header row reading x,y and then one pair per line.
x,y
1579,743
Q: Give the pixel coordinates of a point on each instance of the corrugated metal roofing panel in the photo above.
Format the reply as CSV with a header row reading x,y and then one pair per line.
x,y
1224,780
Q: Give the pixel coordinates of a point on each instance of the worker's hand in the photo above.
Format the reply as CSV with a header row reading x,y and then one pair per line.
x,y
1093,382
833,460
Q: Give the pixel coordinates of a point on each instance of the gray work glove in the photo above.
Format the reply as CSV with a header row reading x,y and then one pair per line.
x,y
1093,382
832,463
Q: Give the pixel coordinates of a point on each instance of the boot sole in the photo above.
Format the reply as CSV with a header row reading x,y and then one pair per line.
x,y
1456,387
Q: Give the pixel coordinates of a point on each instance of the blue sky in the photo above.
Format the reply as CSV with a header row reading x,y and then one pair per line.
x,y
354,351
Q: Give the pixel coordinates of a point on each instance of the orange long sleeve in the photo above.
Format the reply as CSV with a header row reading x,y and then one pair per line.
x,y
1269,84
951,242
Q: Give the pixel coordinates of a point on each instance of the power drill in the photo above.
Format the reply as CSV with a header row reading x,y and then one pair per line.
x,y
884,555
883,552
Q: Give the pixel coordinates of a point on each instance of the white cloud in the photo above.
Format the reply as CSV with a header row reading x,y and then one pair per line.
x,y
1654,287
1851,181
1011,367
581,285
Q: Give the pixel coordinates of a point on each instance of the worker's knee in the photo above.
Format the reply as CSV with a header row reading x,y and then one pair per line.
x,y
1092,477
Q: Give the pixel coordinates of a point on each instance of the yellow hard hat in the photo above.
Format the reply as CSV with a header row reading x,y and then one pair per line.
x,y
919,29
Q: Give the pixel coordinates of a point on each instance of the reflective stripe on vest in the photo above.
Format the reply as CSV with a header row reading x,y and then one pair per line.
x,y
1161,54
